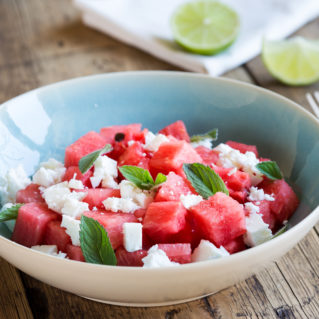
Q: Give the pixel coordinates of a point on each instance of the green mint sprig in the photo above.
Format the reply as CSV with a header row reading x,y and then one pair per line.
x,y
204,179
10,213
141,177
95,243
282,230
213,135
270,169
87,161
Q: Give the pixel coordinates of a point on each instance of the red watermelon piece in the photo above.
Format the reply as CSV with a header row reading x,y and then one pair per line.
x,y
129,131
267,216
220,218
164,219
179,253
113,224
86,144
134,155
31,224
172,189
56,235
132,259
75,171
286,201
235,245
74,252
207,155
243,148
176,129
95,196
30,194
171,156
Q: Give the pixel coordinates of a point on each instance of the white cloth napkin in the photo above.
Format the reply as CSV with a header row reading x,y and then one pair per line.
x,y
146,24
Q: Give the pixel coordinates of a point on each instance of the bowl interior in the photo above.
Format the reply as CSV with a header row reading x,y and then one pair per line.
x,y
41,123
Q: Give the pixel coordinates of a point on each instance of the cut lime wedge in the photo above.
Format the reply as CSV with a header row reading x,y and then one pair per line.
x,y
205,26
294,61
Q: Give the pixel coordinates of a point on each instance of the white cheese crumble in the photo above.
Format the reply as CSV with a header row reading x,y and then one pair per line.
x,y
14,180
229,158
72,228
132,236
49,173
105,171
206,142
257,194
157,258
50,250
153,142
258,231
75,183
125,205
207,250
73,207
141,198
190,200
252,208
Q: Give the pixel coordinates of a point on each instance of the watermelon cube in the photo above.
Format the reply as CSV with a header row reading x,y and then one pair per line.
x,y
176,129
172,189
207,155
95,196
164,219
134,155
30,194
128,132
243,148
171,156
179,253
86,144
267,215
56,235
31,224
113,224
235,245
74,252
75,171
220,218
286,201
132,259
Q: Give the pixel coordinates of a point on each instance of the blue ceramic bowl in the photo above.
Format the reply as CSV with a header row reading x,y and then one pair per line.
x,y
40,124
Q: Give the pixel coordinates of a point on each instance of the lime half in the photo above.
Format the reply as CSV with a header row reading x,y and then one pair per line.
x,y
294,61
204,26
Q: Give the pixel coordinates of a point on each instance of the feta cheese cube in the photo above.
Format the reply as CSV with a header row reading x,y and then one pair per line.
x,y
157,258
190,200
50,250
125,205
257,194
73,207
56,195
132,236
207,142
258,231
72,228
153,142
75,184
252,208
207,250
14,180
105,170
140,197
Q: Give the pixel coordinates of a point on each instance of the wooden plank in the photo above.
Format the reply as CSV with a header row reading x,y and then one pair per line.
x,y
13,301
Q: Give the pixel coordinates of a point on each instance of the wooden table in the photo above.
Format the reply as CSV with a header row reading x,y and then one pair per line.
x,y
42,42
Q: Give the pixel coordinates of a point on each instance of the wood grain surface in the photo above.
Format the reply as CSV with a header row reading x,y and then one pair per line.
x,y
43,41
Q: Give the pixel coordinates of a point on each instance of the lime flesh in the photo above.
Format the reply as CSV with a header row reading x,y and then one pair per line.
x,y
294,61
204,26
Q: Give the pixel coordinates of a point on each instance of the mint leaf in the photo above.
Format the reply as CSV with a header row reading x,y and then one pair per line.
x,y
204,179
160,178
280,231
270,169
141,177
95,243
87,161
213,135
10,213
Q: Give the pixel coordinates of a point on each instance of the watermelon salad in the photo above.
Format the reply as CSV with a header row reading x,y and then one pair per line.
x,y
128,197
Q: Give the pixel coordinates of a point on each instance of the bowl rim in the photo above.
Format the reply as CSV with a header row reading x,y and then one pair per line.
x,y
312,218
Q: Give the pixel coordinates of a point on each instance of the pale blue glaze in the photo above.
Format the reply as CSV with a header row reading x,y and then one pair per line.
x,y
41,123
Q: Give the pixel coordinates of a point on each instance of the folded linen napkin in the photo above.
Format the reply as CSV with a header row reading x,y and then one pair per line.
x,y
146,24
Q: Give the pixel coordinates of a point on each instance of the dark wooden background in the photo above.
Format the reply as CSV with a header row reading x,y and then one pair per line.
x,y
43,41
